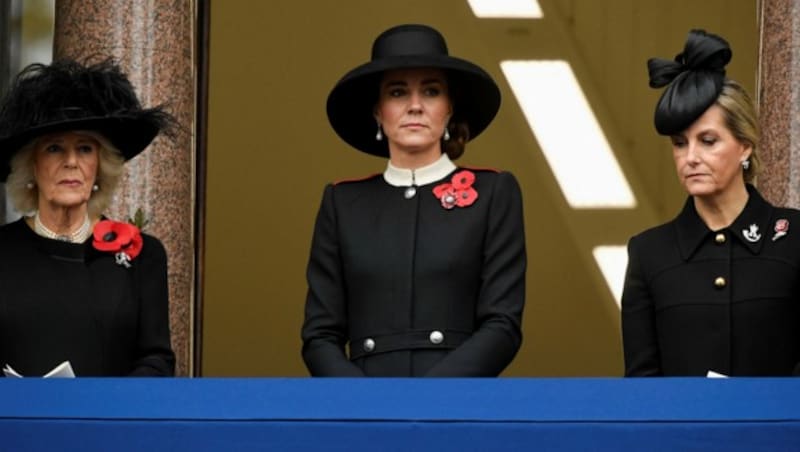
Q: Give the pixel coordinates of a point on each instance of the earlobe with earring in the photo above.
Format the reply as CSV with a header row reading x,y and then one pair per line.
x,y
746,164
446,134
95,188
379,134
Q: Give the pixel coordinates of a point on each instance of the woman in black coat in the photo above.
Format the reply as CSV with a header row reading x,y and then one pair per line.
x,y
420,270
76,287
714,291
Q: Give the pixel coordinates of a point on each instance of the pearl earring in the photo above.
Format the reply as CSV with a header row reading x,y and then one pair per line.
x,y
95,187
446,134
379,134
746,164
29,185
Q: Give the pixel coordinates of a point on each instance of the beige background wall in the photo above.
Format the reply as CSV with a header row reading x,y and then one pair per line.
x,y
271,150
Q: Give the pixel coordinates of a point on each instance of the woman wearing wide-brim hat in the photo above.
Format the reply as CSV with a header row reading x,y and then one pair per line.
x,y
420,270
77,287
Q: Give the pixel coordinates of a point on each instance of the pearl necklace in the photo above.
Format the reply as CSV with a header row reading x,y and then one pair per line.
x,y
79,236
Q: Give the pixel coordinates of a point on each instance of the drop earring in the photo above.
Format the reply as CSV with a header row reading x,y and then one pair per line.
x,y
446,134
746,164
379,134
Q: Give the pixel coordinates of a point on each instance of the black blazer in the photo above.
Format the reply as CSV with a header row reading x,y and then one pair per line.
x,y
728,301
413,288
68,301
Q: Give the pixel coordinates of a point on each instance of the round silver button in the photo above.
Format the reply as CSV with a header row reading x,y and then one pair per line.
x,y
436,337
410,192
369,344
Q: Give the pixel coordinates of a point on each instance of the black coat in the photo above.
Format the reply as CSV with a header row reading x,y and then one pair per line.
x,y
391,276
697,300
65,301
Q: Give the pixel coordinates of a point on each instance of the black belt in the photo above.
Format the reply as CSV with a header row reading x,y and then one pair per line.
x,y
407,340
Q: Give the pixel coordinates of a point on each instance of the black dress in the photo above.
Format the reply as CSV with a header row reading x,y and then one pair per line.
x,y
62,301
413,288
727,301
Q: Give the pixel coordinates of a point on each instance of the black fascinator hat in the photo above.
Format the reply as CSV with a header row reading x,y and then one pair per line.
x,y
351,103
67,95
695,80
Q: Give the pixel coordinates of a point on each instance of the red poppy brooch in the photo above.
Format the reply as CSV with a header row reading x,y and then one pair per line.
x,y
457,192
122,239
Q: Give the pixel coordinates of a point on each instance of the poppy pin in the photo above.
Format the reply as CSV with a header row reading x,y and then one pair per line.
x,y
458,192
122,239
781,228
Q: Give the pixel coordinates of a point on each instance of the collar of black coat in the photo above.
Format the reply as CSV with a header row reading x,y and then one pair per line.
x,y
692,231
436,171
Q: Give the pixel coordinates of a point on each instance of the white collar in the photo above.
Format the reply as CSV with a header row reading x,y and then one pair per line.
x,y
401,177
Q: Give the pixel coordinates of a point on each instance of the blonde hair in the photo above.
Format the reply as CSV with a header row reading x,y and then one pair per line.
x,y
26,198
741,119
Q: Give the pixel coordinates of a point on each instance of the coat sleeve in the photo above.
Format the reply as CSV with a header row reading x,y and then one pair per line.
x,y
154,351
498,335
324,331
640,343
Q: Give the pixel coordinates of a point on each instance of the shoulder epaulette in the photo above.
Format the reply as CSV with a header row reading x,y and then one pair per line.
x,y
476,168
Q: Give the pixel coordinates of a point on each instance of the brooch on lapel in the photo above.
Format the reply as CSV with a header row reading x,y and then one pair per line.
x,y
781,228
458,192
751,234
122,239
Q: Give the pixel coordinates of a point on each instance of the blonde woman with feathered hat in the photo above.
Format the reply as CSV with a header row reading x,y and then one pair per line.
x,y
77,287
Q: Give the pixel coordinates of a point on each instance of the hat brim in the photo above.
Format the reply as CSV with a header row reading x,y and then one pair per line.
x,y
129,134
351,103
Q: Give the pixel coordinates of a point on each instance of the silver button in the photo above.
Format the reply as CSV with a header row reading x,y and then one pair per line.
x,y
720,238
410,192
436,337
720,282
369,344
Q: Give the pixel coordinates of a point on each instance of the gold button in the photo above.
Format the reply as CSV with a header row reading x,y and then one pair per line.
x,y
720,282
720,238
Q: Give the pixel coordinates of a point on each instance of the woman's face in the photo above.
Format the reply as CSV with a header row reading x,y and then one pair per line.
x,y
708,158
413,109
65,168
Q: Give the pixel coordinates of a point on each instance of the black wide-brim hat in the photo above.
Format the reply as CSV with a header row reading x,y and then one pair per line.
x,y
67,95
351,103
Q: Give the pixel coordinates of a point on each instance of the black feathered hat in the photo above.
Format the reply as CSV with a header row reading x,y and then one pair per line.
x,y
351,103
67,95
695,80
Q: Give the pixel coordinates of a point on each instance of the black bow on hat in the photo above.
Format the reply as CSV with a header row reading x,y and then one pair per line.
x,y
695,79
351,103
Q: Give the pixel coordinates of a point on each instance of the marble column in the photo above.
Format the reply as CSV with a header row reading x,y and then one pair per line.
x,y
779,101
154,41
